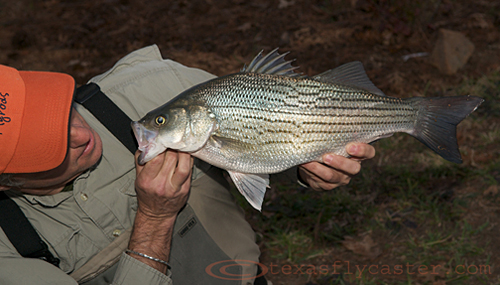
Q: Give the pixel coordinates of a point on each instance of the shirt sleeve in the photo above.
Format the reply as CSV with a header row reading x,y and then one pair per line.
x,y
15,269
143,81
290,176
19,270
132,271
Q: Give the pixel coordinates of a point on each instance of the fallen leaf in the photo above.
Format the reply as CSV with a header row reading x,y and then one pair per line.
x,y
245,27
285,3
492,190
366,246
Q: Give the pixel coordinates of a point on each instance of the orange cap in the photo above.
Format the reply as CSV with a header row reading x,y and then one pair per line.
x,y
34,119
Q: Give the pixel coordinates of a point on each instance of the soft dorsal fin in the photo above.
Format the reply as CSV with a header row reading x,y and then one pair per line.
x,y
272,63
352,74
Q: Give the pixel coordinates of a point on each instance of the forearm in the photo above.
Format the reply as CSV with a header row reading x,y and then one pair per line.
x,y
162,188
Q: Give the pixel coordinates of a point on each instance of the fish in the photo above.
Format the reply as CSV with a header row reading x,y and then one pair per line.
x,y
268,118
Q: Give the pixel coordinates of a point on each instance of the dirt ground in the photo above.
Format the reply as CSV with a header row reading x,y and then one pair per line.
x,y
85,38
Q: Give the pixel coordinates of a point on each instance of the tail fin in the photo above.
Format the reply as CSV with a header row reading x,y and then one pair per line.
x,y
437,122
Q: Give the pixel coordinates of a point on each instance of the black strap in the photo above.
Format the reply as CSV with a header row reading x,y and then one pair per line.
x,y
21,233
110,115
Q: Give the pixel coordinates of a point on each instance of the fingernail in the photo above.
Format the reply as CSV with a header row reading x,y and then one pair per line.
x,y
328,158
352,149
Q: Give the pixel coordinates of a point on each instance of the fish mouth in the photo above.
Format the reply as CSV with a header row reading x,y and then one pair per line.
x,y
146,140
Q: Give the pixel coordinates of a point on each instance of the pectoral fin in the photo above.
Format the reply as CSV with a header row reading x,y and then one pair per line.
x,y
251,186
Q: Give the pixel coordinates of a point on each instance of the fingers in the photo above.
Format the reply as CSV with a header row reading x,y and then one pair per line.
x,y
138,167
151,169
336,170
169,164
183,170
326,173
345,166
342,164
163,184
360,151
327,181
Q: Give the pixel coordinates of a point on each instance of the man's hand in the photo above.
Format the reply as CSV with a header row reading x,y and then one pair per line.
x,y
162,184
336,170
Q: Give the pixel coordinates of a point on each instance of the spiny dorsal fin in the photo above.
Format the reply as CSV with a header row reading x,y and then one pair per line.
x,y
352,74
272,63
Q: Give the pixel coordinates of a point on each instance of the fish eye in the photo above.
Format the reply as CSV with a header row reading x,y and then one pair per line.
x,y
160,120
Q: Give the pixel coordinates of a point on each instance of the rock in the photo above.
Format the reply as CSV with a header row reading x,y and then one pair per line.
x,y
451,52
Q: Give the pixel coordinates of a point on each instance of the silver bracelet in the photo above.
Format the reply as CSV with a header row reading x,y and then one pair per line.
x,y
149,257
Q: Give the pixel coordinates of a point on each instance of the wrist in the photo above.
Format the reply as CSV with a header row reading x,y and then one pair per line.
x,y
150,216
152,229
149,258
152,236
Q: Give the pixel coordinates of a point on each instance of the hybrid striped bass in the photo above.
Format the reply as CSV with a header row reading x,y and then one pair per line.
x,y
267,118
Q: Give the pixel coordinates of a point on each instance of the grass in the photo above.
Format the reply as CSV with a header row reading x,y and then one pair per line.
x,y
448,252
413,204
487,87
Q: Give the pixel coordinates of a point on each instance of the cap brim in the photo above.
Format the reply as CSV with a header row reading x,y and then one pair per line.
x,y
43,141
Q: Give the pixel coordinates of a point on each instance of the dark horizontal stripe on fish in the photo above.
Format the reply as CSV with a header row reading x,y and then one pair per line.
x,y
237,129
249,125
377,108
333,126
252,142
392,117
301,111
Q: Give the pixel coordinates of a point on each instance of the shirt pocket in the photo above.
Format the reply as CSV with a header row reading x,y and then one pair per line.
x,y
74,249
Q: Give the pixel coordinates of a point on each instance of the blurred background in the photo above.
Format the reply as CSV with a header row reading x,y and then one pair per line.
x,y
410,215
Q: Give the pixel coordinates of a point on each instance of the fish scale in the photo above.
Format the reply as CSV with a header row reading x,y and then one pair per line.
x,y
267,118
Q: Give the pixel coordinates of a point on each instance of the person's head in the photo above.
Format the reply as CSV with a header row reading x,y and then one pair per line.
x,y
44,142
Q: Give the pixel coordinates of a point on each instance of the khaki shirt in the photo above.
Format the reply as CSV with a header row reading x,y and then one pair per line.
x,y
78,224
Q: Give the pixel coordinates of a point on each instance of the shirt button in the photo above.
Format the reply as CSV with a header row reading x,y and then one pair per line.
x,y
84,197
117,233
